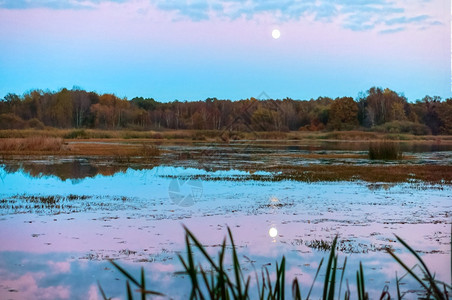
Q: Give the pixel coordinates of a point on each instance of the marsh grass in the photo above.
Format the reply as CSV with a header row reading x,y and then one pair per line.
x,y
149,150
213,135
77,134
385,150
38,143
416,175
119,150
319,245
349,135
143,151
212,279
432,287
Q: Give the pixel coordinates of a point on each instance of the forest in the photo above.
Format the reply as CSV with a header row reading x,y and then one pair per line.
x,y
377,109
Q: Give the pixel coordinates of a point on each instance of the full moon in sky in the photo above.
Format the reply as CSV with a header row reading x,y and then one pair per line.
x,y
276,34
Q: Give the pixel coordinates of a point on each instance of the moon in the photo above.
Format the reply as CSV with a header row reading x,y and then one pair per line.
x,y
276,34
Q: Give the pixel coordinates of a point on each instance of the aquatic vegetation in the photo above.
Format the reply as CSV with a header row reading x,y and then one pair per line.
x,y
149,150
319,245
385,150
57,204
212,279
413,174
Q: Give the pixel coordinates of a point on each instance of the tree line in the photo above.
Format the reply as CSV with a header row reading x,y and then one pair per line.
x,y
376,109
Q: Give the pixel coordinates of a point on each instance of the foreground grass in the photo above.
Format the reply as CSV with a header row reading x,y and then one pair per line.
x,y
218,282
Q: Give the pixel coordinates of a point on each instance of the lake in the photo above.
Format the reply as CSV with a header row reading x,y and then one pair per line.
x,y
62,218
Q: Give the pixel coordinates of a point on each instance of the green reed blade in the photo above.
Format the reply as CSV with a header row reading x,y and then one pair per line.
x,y
315,278
296,291
129,291
102,291
342,277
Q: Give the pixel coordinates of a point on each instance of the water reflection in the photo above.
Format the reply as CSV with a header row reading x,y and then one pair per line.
x,y
273,232
67,275
274,204
60,234
72,168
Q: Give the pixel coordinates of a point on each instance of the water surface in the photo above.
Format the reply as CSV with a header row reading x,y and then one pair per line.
x,y
62,218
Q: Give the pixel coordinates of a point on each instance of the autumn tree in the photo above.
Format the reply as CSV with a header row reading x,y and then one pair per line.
x,y
78,108
60,109
81,106
264,119
445,114
343,114
429,108
379,106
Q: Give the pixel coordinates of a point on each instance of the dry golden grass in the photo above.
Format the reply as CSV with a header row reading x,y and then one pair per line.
x,y
116,148
29,144
216,135
57,146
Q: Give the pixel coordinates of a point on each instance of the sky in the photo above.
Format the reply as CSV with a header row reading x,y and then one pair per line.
x,y
192,50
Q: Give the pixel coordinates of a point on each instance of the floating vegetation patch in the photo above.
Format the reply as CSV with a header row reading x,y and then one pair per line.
x,y
416,175
56,204
345,246
319,245
276,205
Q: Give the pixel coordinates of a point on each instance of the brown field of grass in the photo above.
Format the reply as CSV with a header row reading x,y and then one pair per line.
x,y
92,147
142,143
36,143
217,135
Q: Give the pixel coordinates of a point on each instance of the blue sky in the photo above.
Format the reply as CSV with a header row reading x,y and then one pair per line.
x,y
191,50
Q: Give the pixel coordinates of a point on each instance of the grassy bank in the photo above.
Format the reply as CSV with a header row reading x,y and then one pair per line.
x,y
47,145
130,143
33,143
216,135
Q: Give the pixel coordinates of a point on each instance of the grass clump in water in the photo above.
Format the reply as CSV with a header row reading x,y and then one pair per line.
x,y
385,150
149,151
